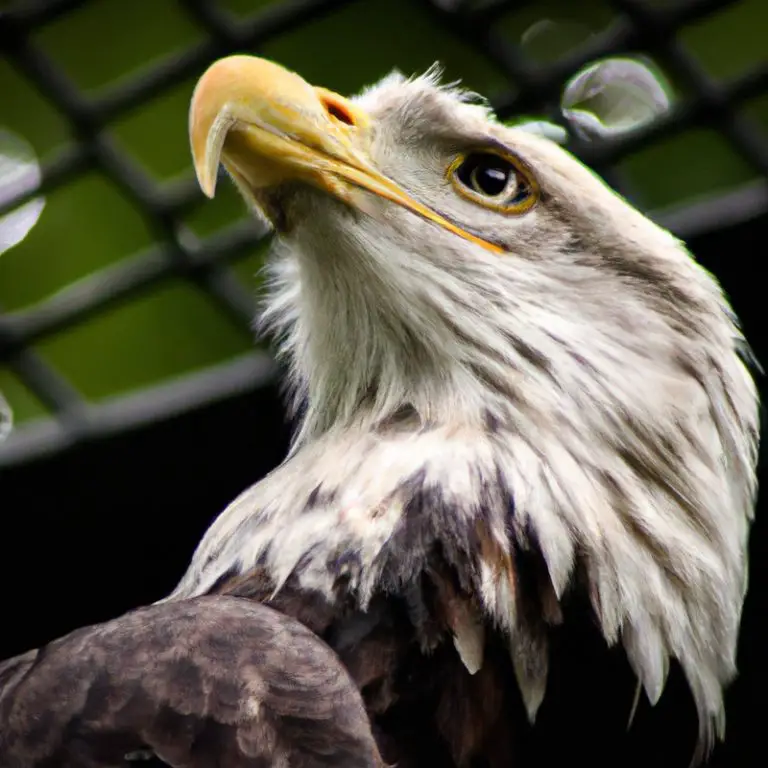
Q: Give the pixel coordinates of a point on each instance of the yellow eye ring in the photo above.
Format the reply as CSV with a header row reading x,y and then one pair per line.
x,y
496,180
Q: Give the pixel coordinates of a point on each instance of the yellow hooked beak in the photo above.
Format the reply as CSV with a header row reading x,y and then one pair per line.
x,y
268,126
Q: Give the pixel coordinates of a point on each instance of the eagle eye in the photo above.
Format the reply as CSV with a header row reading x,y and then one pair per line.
x,y
494,180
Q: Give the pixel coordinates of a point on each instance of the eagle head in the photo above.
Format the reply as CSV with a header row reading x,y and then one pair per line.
x,y
469,315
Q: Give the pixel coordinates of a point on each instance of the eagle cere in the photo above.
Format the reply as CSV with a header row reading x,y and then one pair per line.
x,y
511,387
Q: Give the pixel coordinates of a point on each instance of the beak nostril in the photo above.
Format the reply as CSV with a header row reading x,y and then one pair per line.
x,y
338,112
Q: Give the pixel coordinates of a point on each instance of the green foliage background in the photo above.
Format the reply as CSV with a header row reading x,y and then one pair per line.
x,y
89,224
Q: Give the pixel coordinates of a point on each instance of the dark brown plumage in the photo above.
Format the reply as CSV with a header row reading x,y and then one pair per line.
x,y
210,681
425,707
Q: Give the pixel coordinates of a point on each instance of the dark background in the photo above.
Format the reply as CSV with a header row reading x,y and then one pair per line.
x,y
98,516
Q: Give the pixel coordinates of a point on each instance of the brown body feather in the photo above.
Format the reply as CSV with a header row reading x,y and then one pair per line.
x,y
425,706
210,681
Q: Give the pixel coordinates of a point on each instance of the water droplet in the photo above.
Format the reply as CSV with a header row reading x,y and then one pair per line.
x,y
551,131
6,418
20,174
614,97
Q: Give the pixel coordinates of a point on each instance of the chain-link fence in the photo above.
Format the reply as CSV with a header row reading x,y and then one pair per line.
x,y
731,105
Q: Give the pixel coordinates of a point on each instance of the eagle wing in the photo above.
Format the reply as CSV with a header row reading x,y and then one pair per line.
x,y
215,680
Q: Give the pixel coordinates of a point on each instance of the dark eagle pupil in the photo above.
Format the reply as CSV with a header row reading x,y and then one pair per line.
x,y
486,174
491,180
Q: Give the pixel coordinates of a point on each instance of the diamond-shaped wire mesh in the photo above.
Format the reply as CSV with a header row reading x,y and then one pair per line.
x,y
161,277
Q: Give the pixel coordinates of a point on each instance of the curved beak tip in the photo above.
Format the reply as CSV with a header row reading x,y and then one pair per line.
x,y
231,91
209,101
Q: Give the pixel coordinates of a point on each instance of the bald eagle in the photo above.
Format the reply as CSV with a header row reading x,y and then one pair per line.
x,y
513,391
